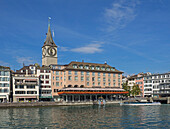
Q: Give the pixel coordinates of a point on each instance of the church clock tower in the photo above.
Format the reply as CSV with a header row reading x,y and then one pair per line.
x,y
49,49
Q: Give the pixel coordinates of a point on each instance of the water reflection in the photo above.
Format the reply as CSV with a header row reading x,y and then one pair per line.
x,y
109,116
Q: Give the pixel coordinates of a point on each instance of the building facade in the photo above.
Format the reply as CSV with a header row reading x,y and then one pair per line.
x,y
84,75
44,73
25,84
155,83
5,84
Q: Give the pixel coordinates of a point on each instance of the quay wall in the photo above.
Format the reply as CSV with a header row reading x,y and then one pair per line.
x,y
42,104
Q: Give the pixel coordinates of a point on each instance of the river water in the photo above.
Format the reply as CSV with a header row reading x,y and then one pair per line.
x,y
78,117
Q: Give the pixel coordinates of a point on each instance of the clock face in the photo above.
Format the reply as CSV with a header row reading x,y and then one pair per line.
x,y
44,51
52,51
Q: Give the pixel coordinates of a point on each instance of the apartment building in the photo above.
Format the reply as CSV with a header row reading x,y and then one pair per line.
x,y
44,73
156,85
5,84
25,85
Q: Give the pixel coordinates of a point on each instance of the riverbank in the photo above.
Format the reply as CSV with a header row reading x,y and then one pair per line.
x,y
43,104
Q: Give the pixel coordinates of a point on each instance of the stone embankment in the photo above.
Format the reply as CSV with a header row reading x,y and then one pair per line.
x,y
43,104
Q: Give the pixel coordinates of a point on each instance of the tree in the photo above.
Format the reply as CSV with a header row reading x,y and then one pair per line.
x,y
135,90
126,88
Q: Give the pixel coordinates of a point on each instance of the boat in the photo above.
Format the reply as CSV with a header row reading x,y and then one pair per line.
x,y
140,103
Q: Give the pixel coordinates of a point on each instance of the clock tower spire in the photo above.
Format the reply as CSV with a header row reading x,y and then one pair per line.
x,y
49,49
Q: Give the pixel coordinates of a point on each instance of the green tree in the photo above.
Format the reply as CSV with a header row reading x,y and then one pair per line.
x,y
126,88
135,90
37,65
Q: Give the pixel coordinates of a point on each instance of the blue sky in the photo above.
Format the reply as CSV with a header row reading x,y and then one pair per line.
x,y
131,35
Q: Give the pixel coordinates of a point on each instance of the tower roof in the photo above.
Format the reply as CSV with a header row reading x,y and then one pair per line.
x,y
49,40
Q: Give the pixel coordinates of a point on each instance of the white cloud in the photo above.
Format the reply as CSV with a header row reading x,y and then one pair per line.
x,y
120,14
88,49
25,60
2,63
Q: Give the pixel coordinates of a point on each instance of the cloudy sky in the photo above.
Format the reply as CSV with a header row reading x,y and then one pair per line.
x,y
131,35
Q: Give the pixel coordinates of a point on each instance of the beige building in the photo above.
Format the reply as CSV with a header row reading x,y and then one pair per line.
x,y
84,75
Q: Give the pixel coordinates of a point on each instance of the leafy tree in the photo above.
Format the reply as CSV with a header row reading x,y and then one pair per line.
x,y
37,65
135,90
126,88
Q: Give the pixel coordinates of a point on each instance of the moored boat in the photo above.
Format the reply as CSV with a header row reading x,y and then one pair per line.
x,y
140,103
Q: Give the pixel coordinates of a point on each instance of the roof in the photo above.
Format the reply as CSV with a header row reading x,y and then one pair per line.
x,y
107,68
49,40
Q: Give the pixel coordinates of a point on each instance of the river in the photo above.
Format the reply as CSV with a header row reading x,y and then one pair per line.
x,y
78,117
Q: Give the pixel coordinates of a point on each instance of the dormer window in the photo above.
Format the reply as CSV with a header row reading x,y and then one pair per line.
x,y
103,68
108,69
97,67
112,69
81,66
87,67
74,66
92,67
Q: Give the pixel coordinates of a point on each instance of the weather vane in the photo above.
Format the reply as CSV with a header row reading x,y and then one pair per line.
x,y
49,18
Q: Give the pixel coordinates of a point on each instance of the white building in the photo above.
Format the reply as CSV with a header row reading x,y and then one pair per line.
x,y
44,73
152,83
4,84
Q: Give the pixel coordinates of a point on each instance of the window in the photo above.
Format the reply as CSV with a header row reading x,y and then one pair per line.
x,y
112,69
109,84
31,92
57,72
118,80
47,82
104,79
69,78
76,78
98,83
93,83
108,79
87,79
74,66
108,69
19,92
53,77
103,68
87,67
42,76
69,72
47,76
108,74
81,66
93,78
82,78
41,71
104,74
30,87
92,67
87,83
98,74
75,73
93,74
57,78
87,73
98,78
104,84
118,75
97,68
82,73
57,83
114,75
